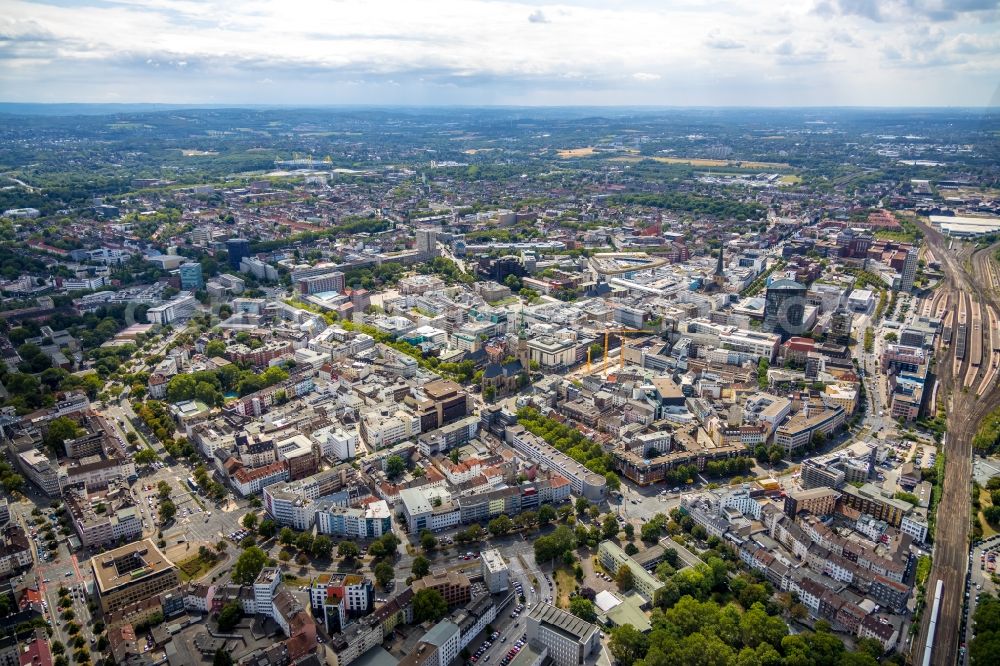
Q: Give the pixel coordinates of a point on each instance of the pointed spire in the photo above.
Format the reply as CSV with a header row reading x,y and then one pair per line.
x,y
718,266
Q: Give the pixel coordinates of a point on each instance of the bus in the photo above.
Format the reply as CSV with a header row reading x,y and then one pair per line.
x,y
192,484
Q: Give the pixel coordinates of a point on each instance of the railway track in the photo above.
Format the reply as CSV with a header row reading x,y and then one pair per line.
x,y
947,330
992,334
991,268
941,299
975,345
961,334
966,276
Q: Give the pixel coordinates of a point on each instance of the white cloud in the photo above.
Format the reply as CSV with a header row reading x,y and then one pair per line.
x,y
481,51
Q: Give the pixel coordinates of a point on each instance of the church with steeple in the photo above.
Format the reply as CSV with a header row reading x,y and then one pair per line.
x,y
505,373
720,274
718,281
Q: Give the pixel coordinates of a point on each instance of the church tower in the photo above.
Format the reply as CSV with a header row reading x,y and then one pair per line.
x,y
720,276
523,354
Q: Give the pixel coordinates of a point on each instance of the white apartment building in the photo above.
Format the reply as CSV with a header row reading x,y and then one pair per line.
x,y
337,443
84,284
258,269
355,589
263,590
751,345
766,408
445,636
388,426
463,471
583,481
915,526
96,475
496,574
43,472
180,308
742,502
368,522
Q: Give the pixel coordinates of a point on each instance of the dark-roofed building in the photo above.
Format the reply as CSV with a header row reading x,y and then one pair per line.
x,y
569,639
784,308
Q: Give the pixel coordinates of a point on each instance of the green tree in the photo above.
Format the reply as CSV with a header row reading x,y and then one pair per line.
x,y
322,546
583,608
500,525
394,466
304,541
222,658
421,566
348,550
267,528
287,536
628,644
625,578
986,643
513,282
546,514
250,521
427,541
609,527
555,545
429,605
60,429
167,511
249,565
384,573
215,348
229,616
146,456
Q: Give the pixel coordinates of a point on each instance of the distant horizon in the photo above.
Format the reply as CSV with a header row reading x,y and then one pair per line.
x,y
259,106
480,53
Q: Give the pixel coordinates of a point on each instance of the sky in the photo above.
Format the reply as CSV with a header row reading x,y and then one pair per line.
x,y
486,52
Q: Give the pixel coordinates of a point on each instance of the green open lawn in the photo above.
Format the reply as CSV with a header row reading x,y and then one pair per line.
x,y
984,502
565,583
194,567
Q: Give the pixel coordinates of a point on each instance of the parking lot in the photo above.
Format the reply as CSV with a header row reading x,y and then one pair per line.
x,y
198,518
984,559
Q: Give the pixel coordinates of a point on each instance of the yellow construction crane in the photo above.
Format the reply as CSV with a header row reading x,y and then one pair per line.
x,y
620,332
